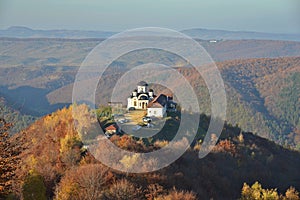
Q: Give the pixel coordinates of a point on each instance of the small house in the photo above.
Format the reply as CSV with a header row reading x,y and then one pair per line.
x,y
158,107
112,129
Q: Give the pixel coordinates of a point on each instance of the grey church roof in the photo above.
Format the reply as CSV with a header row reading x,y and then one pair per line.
x,y
159,101
142,83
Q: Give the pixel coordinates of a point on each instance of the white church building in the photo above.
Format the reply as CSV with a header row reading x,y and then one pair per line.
x,y
156,106
140,97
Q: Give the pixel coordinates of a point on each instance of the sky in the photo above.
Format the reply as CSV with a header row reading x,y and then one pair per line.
x,y
273,16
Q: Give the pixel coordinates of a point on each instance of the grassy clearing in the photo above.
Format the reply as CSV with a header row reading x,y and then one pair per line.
x,y
136,116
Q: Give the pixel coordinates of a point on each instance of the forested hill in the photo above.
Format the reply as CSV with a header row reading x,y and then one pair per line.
x,y
262,95
54,164
271,88
14,116
65,52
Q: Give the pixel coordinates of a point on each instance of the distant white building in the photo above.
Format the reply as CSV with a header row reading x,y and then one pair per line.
x,y
156,106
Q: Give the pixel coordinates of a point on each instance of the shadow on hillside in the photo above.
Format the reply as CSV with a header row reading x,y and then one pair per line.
x,y
29,100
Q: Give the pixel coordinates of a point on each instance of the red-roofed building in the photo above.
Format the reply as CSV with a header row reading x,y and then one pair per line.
x,y
112,129
158,106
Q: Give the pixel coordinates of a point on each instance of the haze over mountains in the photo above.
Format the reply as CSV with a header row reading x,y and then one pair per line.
x,y
66,52
198,33
208,34
24,32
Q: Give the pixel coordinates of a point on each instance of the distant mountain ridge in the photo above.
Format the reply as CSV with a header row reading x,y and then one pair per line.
x,y
198,33
208,34
25,32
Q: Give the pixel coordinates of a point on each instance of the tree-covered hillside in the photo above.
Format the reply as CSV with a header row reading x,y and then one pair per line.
x,y
11,115
55,165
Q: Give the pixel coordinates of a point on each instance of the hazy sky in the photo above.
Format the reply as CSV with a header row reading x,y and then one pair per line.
x,y
281,16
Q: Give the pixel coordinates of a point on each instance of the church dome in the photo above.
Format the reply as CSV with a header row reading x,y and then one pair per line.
x,y
142,83
143,97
